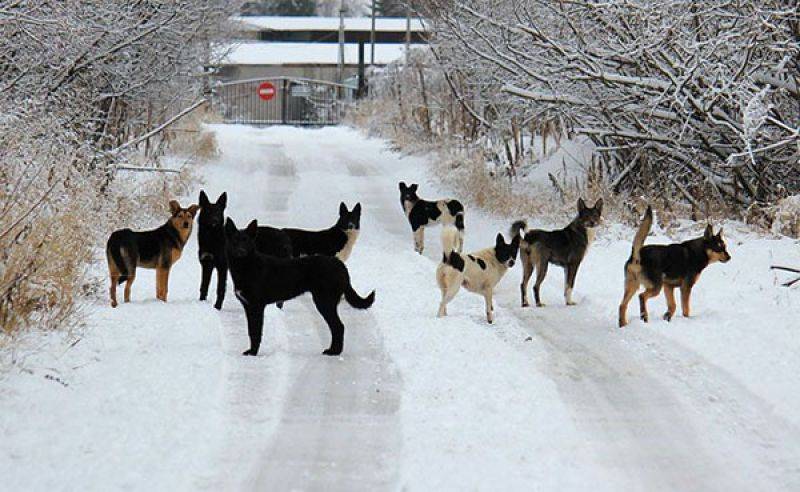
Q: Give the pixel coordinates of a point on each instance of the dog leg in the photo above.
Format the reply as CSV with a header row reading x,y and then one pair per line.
x,y
222,281
527,271
570,272
669,293
205,278
686,296
643,297
112,291
255,327
487,296
128,283
165,284
327,307
631,286
541,273
419,240
448,293
460,240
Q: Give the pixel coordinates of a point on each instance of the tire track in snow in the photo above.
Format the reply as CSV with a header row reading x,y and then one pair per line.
x,y
254,386
637,425
338,428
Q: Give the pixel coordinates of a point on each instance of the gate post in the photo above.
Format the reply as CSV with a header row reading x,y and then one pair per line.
x,y
285,101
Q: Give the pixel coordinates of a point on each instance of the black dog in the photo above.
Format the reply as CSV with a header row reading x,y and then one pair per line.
x,y
260,280
335,241
211,245
421,213
565,247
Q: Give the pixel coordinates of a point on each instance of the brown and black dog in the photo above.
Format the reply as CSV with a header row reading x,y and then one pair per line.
x,y
158,248
668,266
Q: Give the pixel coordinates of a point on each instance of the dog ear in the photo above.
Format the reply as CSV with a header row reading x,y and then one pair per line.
x,y
413,187
403,186
357,209
719,234
252,228
204,199
222,201
599,205
581,205
230,227
499,240
709,233
342,209
174,207
193,209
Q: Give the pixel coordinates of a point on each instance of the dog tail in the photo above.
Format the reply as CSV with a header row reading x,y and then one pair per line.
x,y
114,255
450,239
518,228
459,222
356,300
641,235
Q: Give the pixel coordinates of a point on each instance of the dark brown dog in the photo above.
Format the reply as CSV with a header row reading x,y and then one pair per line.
x,y
564,247
158,248
668,266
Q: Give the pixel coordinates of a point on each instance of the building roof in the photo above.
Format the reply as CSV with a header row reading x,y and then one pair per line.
x,y
263,53
274,23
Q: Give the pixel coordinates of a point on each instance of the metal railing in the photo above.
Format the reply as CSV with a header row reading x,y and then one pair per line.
x,y
283,100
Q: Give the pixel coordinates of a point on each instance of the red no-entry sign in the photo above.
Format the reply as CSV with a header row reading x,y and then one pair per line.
x,y
266,91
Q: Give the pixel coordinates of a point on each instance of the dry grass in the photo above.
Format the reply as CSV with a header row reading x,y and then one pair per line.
x,y
54,227
190,138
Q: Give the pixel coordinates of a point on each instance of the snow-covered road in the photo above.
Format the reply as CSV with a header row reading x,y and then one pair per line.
x,y
555,398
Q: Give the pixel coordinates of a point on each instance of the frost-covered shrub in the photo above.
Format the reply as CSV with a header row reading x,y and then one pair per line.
x,y
786,216
83,84
695,100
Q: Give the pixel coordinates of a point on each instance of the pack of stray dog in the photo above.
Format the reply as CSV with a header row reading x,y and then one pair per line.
x,y
272,265
268,265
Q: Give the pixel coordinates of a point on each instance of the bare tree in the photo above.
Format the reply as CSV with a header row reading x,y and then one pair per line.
x,y
695,99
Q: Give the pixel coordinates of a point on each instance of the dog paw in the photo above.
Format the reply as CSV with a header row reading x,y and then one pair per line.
x,y
526,304
540,304
250,352
218,306
279,305
622,323
332,351
572,303
667,316
644,317
203,297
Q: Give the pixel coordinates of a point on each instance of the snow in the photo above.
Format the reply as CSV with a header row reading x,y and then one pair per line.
x,y
553,398
264,53
300,23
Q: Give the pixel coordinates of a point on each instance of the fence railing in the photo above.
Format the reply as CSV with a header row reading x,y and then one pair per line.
x,y
283,100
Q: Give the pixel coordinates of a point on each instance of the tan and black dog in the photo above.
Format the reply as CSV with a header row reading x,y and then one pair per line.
x,y
563,247
478,272
668,266
158,248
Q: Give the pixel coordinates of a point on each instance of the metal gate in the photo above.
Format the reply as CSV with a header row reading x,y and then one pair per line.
x,y
283,100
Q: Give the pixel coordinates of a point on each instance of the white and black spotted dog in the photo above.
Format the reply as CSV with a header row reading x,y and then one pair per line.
x,y
422,213
478,272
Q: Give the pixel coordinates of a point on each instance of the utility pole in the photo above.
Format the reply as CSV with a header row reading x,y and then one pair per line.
x,y
408,31
340,65
372,38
